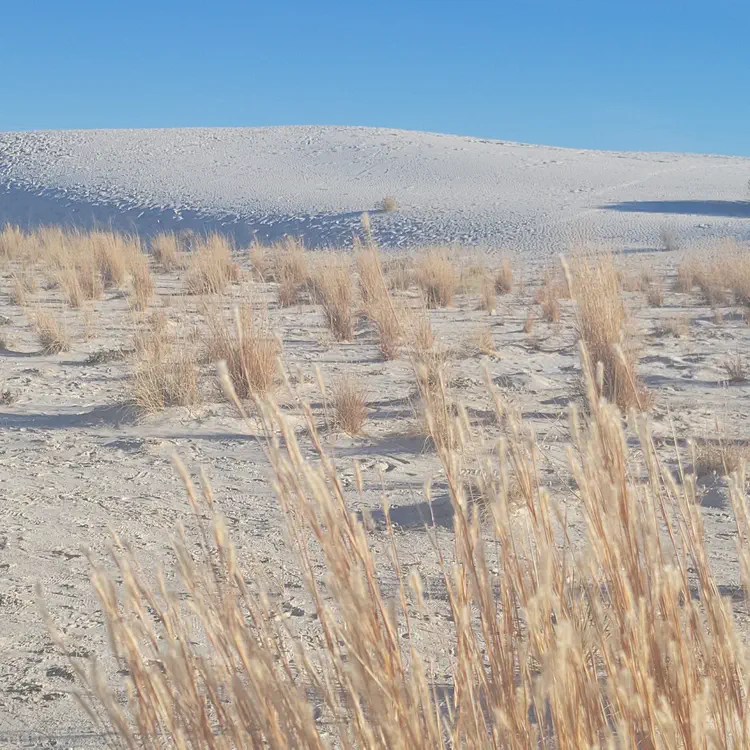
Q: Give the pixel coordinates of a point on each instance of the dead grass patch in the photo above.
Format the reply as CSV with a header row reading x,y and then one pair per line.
x,y
211,268
334,290
166,250
52,332
437,277
349,399
504,277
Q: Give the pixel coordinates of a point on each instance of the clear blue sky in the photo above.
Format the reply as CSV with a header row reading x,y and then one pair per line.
x,y
615,74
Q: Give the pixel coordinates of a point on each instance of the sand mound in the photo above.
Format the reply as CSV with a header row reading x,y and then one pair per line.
x,y
316,181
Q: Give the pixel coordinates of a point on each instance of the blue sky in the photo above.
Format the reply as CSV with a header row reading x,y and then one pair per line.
x,y
613,74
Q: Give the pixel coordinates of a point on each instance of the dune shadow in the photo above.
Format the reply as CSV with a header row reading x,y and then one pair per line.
x,y
728,209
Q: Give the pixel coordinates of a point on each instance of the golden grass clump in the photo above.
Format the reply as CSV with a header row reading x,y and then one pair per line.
x,y
602,322
615,636
211,268
142,281
722,457
377,302
484,341
247,344
349,399
655,294
504,276
334,290
388,204
14,242
166,250
398,273
488,295
437,277
166,368
22,284
52,332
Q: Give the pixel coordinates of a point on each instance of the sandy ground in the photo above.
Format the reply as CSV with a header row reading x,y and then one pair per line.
x,y
77,461
315,182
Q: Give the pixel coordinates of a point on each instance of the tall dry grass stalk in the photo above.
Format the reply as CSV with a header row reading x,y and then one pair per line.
x,y
142,282
166,250
166,367
349,400
334,290
621,640
51,331
211,268
504,276
437,277
248,345
602,323
377,302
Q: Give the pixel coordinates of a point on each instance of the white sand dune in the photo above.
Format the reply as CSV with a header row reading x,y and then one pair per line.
x,y
315,182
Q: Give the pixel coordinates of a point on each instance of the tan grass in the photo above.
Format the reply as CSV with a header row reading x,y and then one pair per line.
x,y
334,290
166,368
398,273
13,242
529,322
677,326
246,342
349,400
488,295
142,281
655,294
484,341
723,457
620,638
166,250
211,268
52,332
736,368
504,277
388,204
602,323
437,277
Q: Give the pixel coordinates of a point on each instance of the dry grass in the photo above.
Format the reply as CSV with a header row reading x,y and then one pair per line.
x,y
529,322
437,277
142,281
736,369
504,277
602,323
246,342
211,268
398,273
349,399
488,295
484,341
22,284
51,332
677,326
388,204
668,238
719,458
685,277
334,290
166,368
13,242
655,294
606,637
377,302
167,253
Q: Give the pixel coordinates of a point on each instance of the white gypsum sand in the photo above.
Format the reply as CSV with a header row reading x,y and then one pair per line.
x,y
315,182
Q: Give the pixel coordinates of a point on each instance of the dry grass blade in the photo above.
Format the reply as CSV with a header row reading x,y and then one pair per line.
x,y
350,404
437,277
166,250
248,346
211,268
504,277
602,326
335,292
52,332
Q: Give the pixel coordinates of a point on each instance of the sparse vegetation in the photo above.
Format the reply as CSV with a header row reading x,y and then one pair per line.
x,y
211,268
388,204
437,277
52,332
350,404
504,277
602,326
335,292
167,252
